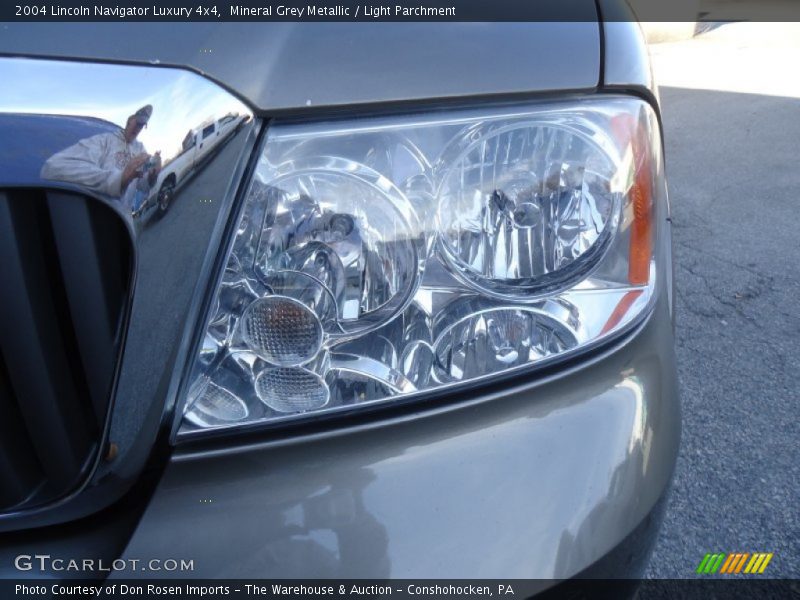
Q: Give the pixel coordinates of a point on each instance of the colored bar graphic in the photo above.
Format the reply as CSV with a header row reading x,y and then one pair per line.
x,y
758,562
734,562
703,563
710,564
765,563
729,562
741,562
718,563
751,564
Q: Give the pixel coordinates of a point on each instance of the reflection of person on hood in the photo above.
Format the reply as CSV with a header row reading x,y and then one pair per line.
x,y
106,163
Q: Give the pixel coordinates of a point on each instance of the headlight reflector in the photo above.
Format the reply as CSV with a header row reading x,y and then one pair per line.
x,y
492,339
520,206
349,228
377,259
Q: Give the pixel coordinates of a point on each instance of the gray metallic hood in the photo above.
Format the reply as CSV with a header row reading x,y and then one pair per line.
x,y
283,66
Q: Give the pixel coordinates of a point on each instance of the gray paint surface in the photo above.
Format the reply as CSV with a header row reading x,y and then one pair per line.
x,y
281,66
626,60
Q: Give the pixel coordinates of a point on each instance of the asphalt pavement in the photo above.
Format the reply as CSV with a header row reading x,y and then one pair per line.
x,y
731,116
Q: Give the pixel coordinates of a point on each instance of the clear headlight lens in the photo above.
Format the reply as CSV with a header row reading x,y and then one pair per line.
x,y
378,259
522,205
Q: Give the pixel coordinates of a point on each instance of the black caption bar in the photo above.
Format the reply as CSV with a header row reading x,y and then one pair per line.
x,y
400,10
767,589
303,10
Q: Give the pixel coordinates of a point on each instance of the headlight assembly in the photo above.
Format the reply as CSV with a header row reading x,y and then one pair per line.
x,y
380,259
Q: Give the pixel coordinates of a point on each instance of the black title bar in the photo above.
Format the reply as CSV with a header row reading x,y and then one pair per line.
x,y
398,10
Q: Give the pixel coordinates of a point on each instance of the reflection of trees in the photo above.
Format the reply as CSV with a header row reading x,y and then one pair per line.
x,y
605,521
287,523
297,533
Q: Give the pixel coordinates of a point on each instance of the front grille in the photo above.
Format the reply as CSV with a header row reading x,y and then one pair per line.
x,y
65,282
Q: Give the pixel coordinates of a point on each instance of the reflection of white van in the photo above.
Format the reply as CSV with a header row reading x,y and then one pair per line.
x,y
196,147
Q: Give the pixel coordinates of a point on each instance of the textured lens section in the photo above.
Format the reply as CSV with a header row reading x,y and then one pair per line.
x,y
497,339
521,205
282,330
349,387
348,231
215,406
291,390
